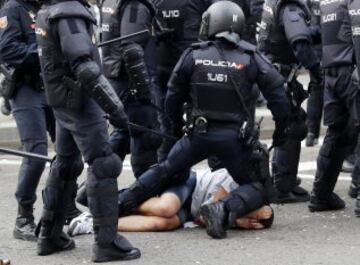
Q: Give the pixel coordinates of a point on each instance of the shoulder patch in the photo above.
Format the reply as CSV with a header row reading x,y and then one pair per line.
x,y
3,22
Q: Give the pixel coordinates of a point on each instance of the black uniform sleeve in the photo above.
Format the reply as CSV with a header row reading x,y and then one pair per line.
x,y
271,84
179,87
75,41
13,48
299,35
135,17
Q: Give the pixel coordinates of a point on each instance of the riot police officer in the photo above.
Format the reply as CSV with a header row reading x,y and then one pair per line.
x,y
130,67
315,88
79,93
19,58
183,19
215,78
353,8
341,110
285,37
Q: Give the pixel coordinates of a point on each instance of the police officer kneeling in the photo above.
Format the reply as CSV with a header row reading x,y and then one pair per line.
x,y
216,78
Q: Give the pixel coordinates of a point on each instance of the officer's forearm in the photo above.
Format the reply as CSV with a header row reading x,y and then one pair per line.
x,y
133,56
89,75
278,104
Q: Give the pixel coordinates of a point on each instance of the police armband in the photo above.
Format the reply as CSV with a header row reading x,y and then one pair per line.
x,y
133,56
99,88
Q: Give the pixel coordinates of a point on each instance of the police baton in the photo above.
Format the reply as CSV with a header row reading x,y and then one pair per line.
x,y
25,154
145,129
129,36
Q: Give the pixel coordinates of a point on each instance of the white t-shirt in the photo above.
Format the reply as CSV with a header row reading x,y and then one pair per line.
x,y
207,184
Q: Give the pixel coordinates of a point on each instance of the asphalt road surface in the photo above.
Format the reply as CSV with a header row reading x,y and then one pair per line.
x,y
297,236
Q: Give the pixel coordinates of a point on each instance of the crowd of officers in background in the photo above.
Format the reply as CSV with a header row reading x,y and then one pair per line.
x,y
142,80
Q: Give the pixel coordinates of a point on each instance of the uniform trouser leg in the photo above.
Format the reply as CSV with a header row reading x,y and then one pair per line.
x,y
341,115
57,194
185,153
120,142
285,165
314,110
143,145
165,124
331,155
29,110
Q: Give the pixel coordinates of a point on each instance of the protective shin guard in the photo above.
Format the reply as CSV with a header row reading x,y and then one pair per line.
x,y
51,238
285,165
329,163
102,200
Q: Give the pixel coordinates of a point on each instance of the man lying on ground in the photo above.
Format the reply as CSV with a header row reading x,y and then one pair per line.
x,y
180,204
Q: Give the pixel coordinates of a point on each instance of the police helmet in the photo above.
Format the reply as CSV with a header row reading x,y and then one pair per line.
x,y
223,19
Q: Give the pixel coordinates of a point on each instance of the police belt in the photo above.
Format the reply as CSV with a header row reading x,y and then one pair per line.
x,y
201,124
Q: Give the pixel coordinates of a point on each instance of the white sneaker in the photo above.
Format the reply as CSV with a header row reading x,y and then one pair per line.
x,y
81,225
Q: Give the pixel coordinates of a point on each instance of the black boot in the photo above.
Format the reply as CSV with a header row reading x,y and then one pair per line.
x,y
102,199
5,107
215,216
24,224
332,202
311,140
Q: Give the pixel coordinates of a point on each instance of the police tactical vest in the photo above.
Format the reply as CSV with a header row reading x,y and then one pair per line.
x,y
354,12
212,93
272,39
53,63
336,33
110,28
174,14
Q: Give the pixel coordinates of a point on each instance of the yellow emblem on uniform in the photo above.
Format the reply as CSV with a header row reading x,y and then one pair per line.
x,y
3,22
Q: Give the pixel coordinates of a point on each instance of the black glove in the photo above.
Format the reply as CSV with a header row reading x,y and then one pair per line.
x,y
119,119
280,134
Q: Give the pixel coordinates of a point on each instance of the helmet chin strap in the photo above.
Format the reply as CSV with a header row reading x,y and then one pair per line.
x,y
229,36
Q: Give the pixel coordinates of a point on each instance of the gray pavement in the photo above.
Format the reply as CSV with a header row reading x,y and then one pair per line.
x,y
297,236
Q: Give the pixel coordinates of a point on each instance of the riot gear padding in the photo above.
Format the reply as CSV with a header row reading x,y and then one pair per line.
x,y
222,19
133,57
297,28
107,166
89,75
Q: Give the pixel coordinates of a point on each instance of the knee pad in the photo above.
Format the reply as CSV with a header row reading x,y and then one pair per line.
x,y
66,168
107,166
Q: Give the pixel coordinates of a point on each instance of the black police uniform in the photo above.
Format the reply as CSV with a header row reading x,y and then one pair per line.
x,y
354,11
340,103
130,66
76,90
285,38
202,79
33,116
316,89
184,18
